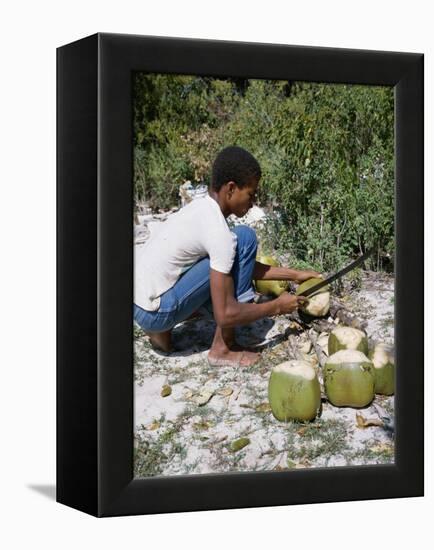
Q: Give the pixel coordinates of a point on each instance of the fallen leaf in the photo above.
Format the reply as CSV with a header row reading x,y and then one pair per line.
x,y
360,420
383,448
203,397
363,422
166,391
153,426
239,444
263,408
302,431
304,463
225,392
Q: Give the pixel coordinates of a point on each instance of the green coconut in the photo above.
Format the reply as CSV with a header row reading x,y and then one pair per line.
x,y
347,338
349,379
267,260
384,363
319,302
273,288
294,391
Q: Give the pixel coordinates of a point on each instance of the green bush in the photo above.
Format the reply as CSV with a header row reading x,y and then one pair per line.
x,y
326,152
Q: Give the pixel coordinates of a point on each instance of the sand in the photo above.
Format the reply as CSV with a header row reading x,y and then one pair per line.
x,y
190,430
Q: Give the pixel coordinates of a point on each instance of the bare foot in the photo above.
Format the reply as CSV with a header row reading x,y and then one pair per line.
x,y
225,352
235,346
161,341
230,343
232,358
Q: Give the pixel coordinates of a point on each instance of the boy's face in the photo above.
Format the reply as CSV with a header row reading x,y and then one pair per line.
x,y
240,200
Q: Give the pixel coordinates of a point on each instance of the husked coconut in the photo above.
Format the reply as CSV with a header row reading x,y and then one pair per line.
x,y
294,391
273,288
384,368
349,379
347,338
318,303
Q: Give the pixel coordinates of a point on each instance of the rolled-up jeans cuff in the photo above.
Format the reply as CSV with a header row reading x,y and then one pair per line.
x,y
247,296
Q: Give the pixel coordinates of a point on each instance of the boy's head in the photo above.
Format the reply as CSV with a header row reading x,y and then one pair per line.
x,y
235,178
237,165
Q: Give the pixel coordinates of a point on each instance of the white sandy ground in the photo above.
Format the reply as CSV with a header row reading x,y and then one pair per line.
x,y
185,433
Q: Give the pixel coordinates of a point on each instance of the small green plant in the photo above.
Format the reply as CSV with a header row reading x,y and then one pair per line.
x,y
322,439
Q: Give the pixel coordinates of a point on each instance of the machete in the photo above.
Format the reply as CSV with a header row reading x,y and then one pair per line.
x,y
337,275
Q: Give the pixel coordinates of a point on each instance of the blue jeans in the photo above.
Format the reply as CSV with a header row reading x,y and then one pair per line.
x,y
192,290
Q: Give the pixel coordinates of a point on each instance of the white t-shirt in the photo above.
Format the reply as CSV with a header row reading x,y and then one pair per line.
x,y
194,232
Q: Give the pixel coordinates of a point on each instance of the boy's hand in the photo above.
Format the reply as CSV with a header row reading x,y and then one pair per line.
x,y
288,303
305,275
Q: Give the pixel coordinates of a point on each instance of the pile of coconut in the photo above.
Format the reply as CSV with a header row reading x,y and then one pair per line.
x,y
352,374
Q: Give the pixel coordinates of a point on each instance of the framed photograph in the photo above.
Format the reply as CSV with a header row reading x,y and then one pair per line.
x,y
239,275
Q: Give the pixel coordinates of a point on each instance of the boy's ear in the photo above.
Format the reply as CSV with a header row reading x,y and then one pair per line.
x,y
231,186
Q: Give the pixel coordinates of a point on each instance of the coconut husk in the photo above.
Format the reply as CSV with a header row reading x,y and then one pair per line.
x,y
322,357
346,317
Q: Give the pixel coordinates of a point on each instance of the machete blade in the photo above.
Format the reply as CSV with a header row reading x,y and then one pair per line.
x,y
338,274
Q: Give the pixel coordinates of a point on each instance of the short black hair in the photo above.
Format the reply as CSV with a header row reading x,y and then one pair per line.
x,y
234,164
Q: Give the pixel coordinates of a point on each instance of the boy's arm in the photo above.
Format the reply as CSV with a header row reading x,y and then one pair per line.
x,y
262,272
228,312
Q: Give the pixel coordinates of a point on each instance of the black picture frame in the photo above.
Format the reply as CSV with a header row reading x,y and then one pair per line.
x,y
95,274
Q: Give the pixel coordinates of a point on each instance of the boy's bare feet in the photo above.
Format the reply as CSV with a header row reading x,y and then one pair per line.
x,y
161,340
225,352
